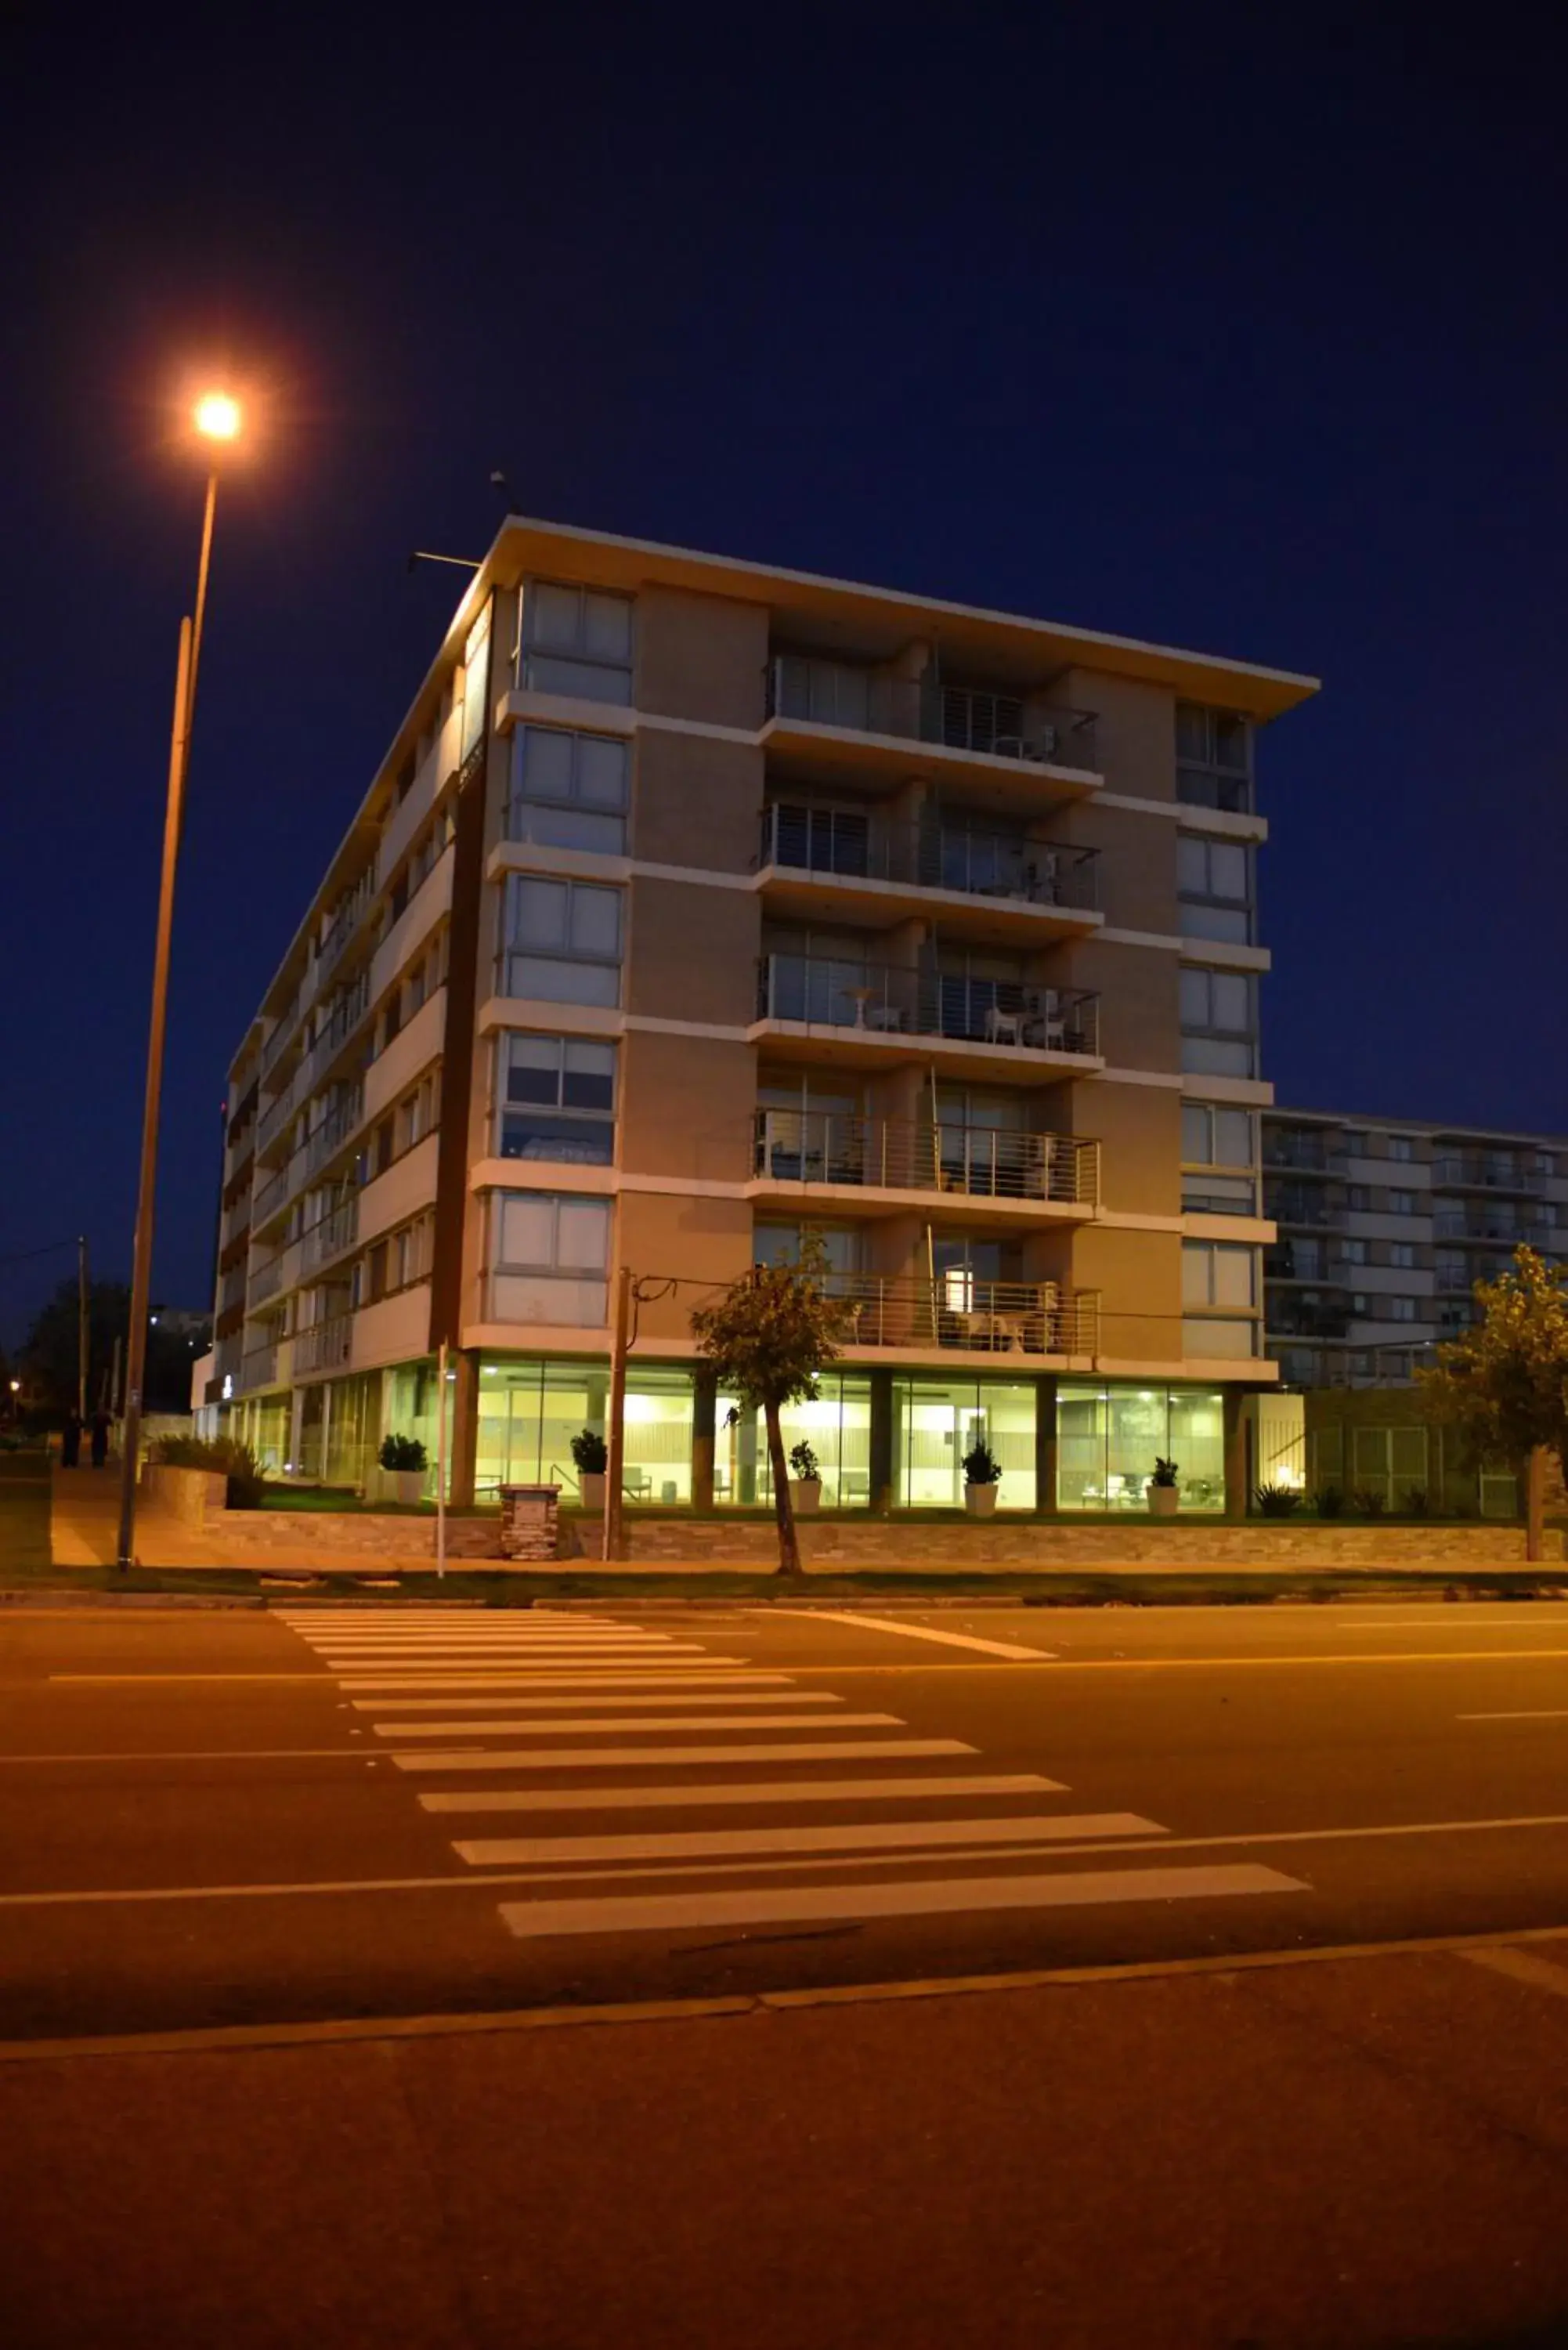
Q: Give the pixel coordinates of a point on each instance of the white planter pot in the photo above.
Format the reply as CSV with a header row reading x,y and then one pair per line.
x,y
410,1485
806,1492
1164,1501
591,1488
979,1501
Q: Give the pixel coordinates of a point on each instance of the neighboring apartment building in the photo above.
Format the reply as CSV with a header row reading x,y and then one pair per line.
x,y
1383,1227
699,903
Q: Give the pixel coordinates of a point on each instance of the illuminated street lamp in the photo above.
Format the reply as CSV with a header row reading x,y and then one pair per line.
x,y
217,419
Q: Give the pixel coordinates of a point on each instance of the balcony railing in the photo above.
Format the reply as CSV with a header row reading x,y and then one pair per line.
x,y
273,1048
1466,1173
856,846
1494,1231
329,1237
258,1369
903,1155
993,1317
325,1346
822,991
330,1038
334,1129
345,923
1298,1156
968,718
266,1281
271,1196
276,1115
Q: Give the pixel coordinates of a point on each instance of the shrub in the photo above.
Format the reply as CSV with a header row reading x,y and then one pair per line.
x,y
1277,1500
1368,1501
1330,1501
980,1466
590,1453
1165,1472
804,1462
1416,1504
402,1453
237,1462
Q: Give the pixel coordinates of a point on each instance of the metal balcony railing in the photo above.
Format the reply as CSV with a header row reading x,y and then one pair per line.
x,y
332,1035
850,845
823,992
345,922
325,1346
903,1155
258,1369
264,1281
341,1122
970,718
1493,1230
329,1237
1298,1155
1466,1171
281,1033
997,1317
276,1115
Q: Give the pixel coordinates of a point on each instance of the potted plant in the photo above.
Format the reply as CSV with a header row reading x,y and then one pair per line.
x,y
590,1458
805,1486
403,1458
1163,1493
981,1476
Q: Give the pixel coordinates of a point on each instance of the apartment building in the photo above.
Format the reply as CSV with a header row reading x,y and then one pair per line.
x,y
1384,1227
700,904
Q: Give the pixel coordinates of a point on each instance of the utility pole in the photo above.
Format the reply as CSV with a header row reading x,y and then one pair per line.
x,y
616,1466
82,1327
440,1462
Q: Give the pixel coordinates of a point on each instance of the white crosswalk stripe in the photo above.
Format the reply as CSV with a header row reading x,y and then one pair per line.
x,y
525,1699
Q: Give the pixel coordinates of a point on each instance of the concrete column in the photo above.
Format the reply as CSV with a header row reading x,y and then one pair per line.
x,y
465,1428
1045,1450
1237,1480
704,1407
881,1445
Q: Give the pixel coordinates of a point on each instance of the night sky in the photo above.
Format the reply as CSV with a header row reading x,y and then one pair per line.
x,y
1243,328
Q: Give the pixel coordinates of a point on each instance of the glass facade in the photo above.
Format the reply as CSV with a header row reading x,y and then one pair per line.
x,y
937,1421
530,1411
836,1426
1108,1439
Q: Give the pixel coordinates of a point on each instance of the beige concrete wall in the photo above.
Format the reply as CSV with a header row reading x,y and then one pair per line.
x,y
1137,863
1136,732
1138,1276
1139,1132
1140,1004
702,657
686,1106
706,1241
691,952
696,802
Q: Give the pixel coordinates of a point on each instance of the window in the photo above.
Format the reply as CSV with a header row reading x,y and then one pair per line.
x,y
475,682
1218,1025
576,641
1400,1203
1214,1135
555,1098
548,1255
1401,1254
1214,880
563,941
568,791
1352,1251
1544,1163
1218,1280
396,1262
1401,1146
1213,758
1401,1309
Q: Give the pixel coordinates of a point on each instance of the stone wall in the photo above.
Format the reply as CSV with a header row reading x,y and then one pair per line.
x,y
195,1497
249,1534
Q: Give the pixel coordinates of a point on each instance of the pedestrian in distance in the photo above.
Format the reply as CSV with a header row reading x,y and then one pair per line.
x,y
71,1442
101,1428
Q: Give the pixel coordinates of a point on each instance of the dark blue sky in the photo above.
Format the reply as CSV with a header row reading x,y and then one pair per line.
x,y
1239,328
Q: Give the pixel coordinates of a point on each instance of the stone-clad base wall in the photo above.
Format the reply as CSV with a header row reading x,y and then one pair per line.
x,y
249,1534
962,1545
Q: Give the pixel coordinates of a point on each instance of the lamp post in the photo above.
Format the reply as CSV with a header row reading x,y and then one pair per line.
x,y
217,419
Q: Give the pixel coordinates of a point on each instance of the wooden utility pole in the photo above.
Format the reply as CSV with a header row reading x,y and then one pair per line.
x,y
615,1467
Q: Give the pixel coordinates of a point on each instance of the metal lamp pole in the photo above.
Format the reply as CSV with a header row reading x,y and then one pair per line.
x,y
219,419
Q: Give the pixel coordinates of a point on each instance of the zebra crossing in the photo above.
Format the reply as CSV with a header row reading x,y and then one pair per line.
x,y
531,1718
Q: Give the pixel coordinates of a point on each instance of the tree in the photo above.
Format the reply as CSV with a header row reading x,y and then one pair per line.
x,y
49,1351
768,1336
1504,1385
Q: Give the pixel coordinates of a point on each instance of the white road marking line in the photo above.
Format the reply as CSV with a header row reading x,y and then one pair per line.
x,y
679,1912
919,1632
501,1647
620,1758
1454,1620
512,1728
450,1660
728,1683
1541,1974
701,1694
1538,1713
700,1844
725,1793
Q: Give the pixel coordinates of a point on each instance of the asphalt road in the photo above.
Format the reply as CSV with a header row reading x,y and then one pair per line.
x,y
233,1819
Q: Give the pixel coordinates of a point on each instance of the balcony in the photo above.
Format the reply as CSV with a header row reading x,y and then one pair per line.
x,y
325,1346
868,718
258,1369
869,1013
341,1121
264,1281
1473,1171
849,865
282,1037
334,1034
330,1237
345,927
1299,1155
1492,1230
967,1317
274,1120
815,1147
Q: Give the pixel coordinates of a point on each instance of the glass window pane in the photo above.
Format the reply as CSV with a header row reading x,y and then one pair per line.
x,y
1195,999
1233,1139
1195,1143
583,1241
527,1228
583,681
1231,1000
569,827
534,1065
537,912
544,759
1229,741
601,771
1232,1276
595,921
1192,737
547,1134
550,614
588,1082
1195,1257
606,627
548,982
1228,871
1191,865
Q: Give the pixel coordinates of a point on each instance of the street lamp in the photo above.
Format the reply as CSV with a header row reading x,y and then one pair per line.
x,y
217,419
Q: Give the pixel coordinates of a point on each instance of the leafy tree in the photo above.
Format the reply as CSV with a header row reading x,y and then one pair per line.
x,y
49,1351
768,1336
1504,1385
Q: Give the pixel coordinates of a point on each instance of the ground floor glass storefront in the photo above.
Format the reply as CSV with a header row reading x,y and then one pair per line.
x,y
936,1422
530,1411
1108,1439
837,1424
